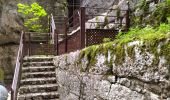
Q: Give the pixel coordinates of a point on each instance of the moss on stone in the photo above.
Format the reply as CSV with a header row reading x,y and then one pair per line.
x,y
149,36
152,46
1,74
165,51
131,51
90,54
119,51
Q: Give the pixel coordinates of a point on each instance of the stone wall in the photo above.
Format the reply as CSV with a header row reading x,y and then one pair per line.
x,y
139,71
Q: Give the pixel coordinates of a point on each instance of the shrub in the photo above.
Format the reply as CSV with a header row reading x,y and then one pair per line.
x,y
32,15
106,40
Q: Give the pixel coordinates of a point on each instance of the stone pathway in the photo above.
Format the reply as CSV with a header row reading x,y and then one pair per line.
x,y
38,79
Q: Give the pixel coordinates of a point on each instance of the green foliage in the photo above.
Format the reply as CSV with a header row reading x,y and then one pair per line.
x,y
106,22
167,2
168,18
148,35
165,51
145,6
164,28
1,74
63,6
32,15
106,40
154,18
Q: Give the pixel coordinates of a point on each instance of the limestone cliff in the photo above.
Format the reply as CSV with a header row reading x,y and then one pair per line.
x,y
11,24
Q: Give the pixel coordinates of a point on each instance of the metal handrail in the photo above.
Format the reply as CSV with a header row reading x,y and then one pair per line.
x,y
52,27
80,18
17,68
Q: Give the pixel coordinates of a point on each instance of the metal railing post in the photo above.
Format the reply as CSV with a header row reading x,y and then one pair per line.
x,y
17,72
65,33
24,42
127,18
82,27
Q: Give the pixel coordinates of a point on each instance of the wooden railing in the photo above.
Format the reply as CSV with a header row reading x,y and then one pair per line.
x,y
16,77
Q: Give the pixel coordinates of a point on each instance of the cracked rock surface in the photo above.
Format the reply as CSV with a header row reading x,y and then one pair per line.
x,y
136,78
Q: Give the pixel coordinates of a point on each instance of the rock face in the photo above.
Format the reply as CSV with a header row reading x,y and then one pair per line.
x,y
140,11
11,23
140,75
98,4
7,62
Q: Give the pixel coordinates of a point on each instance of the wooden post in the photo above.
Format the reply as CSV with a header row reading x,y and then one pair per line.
x,y
65,33
127,18
82,27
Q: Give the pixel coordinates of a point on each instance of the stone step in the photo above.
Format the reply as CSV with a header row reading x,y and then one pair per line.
x,y
37,58
38,81
38,69
38,88
38,74
39,96
44,63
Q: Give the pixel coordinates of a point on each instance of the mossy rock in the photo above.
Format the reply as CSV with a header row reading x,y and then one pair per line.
x,y
165,51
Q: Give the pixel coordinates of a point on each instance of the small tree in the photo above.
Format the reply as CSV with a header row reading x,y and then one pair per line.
x,y
32,15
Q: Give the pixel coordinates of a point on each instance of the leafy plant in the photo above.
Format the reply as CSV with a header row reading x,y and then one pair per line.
x,y
32,15
147,33
167,2
106,40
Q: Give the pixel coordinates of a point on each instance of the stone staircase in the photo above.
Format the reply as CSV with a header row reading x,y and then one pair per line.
x,y
38,79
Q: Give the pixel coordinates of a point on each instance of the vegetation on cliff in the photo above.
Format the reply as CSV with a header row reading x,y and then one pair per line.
x,y
150,33
154,16
32,15
148,37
